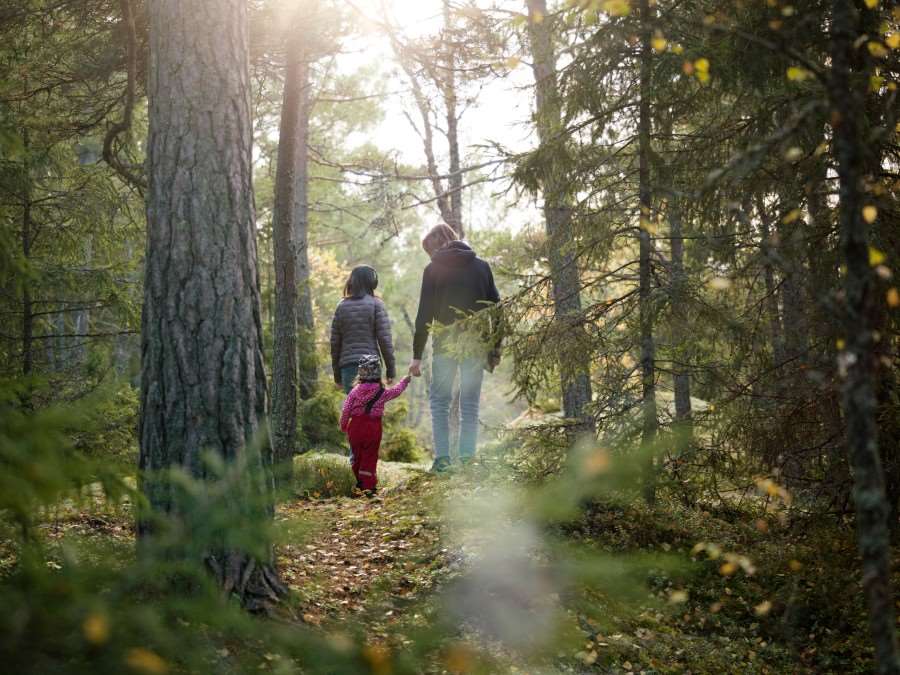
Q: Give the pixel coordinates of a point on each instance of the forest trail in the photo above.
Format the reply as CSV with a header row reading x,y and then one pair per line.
x,y
363,558
387,566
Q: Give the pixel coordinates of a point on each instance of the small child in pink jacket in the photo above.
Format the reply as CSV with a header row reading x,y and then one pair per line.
x,y
361,419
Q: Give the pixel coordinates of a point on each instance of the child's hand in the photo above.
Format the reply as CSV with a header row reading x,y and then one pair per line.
x,y
390,381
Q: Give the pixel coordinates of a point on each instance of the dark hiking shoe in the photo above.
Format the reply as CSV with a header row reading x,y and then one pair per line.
x,y
441,465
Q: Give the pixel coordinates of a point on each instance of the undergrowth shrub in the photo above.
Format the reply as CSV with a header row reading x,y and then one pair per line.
x,y
319,476
108,429
399,442
318,421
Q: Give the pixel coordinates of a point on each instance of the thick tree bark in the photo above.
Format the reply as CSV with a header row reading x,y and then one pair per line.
x,y
284,353
574,364
847,91
308,370
648,348
203,384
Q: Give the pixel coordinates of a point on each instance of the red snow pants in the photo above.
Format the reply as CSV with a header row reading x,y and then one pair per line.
x,y
365,440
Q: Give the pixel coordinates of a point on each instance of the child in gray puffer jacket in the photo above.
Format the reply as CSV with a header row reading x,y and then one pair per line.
x,y
360,326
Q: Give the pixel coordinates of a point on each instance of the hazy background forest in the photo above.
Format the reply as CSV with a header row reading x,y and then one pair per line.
x,y
689,456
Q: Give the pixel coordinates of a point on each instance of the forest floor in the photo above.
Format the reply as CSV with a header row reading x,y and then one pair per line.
x,y
450,568
429,548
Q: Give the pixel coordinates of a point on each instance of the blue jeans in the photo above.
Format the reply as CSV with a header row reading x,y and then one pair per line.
x,y
348,374
443,374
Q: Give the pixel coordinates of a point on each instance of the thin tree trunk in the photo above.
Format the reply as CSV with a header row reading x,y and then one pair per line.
x,y
450,101
27,226
859,359
774,315
648,348
284,353
678,299
684,427
203,383
574,363
308,373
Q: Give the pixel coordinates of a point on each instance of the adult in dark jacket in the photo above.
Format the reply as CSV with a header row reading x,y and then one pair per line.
x,y
455,283
361,326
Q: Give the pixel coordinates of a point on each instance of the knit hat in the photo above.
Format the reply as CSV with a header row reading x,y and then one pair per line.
x,y
369,368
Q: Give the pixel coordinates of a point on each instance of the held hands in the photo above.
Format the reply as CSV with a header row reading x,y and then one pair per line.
x,y
415,368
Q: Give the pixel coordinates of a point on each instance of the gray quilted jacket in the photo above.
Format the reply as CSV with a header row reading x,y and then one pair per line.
x,y
361,326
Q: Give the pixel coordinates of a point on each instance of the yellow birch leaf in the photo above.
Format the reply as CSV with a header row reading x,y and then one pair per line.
x,y
872,4
791,216
840,343
893,297
658,43
869,213
876,49
893,40
727,569
797,74
876,257
145,661
96,629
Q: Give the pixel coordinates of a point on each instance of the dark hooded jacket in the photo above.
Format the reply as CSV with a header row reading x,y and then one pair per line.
x,y
361,326
456,280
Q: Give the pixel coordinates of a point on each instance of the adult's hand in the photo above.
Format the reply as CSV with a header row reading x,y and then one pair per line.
x,y
339,386
415,367
390,381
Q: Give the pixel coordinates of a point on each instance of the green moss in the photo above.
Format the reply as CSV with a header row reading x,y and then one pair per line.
x,y
320,476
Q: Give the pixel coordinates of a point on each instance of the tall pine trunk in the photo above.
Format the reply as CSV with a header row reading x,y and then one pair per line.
x,y
284,353
847,91
648,348
574,364
203,384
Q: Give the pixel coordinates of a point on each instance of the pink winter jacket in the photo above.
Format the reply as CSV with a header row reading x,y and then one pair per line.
x,y
361,394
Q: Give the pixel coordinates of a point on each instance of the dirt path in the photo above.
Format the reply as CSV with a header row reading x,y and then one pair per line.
x,y
365,560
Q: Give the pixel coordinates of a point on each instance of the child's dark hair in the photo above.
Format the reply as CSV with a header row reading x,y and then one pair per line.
x,y
363,280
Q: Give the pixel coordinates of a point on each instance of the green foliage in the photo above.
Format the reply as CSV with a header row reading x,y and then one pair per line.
x,y
319,419
40,466
109,430
398,442
321,476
